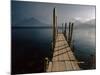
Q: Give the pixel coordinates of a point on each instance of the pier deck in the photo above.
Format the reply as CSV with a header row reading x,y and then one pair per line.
x,y
63,57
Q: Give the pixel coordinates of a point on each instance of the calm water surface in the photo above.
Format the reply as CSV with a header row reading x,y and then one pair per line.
x,y
33,44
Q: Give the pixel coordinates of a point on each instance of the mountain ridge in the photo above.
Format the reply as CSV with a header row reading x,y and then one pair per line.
x,y
30,22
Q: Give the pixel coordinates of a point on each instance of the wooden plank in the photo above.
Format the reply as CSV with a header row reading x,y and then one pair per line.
x,y
71,56
55,53
62,66
55,66
55,58
62,54
68,66
63,58
75,66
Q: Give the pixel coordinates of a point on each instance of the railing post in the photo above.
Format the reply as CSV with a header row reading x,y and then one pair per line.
x,y
69,33
65,31
54,28
62,28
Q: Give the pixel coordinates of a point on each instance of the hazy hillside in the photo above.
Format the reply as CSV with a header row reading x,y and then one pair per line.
x,y
87,24
30,22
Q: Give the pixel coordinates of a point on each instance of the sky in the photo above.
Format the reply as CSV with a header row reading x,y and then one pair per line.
x,y
43,12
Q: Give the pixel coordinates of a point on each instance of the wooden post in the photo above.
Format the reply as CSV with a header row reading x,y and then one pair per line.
x,y
69,33
54,28
65,31
72,46
62,28
46,63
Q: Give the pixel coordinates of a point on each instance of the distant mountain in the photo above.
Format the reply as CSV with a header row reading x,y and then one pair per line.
x,y
87,24
77,22
30,22
91,22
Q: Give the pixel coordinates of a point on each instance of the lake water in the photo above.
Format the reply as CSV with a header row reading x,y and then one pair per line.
x,y
34,43
85,46
84,40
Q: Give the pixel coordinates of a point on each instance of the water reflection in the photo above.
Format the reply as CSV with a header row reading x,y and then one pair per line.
x,y
30,46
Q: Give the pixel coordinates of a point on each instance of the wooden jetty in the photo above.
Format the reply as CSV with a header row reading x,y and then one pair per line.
x,y
63,58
